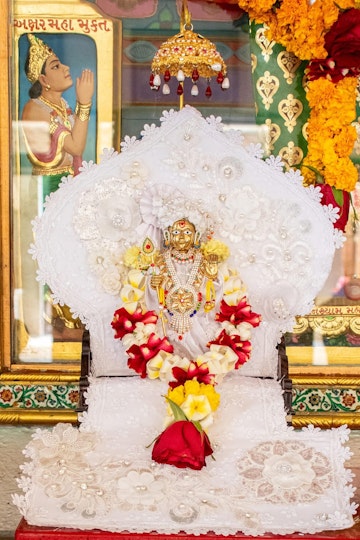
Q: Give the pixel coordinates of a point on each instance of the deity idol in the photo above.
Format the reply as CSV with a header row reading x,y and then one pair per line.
x,y
186,287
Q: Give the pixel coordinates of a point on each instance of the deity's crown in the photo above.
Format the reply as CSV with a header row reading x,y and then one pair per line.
x,y
39,52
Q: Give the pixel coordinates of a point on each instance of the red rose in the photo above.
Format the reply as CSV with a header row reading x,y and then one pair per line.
x,y
139,355
125,322
182,445
241,348
194,372
328,197
238,314
342,41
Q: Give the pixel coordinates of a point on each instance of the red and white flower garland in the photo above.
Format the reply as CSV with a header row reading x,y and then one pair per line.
x,y
191,397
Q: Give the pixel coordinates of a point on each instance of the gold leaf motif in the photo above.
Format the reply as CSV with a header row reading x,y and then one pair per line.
x,y
265,45
273,132
289,64
304,131
290,110
254,62
267,86
291,155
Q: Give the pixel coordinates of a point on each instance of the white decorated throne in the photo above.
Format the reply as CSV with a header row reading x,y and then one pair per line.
x,y
265,476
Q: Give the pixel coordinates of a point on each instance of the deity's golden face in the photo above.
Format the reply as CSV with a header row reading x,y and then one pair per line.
x,y
182,235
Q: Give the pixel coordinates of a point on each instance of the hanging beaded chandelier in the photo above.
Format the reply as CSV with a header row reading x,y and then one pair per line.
x,y
187,54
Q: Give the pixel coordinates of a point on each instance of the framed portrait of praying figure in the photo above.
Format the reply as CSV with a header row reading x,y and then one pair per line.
x,y
53,61
89,61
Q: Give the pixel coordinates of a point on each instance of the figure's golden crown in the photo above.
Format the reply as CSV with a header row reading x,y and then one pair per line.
x,y
39,52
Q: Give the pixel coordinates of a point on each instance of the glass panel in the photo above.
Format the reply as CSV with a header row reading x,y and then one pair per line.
x,y
117,43
66,40
328,340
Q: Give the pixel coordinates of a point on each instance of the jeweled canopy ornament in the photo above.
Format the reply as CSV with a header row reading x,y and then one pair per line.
x,y
187,54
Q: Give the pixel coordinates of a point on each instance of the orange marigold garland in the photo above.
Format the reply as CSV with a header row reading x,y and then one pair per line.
x,y
327,34
331,136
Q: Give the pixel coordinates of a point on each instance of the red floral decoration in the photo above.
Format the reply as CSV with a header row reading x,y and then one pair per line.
x,y
124,322
238,314
342,202
139,355
342,43
182,444
194,372
241,348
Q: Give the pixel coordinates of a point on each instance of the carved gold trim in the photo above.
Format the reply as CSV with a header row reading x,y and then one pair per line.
x,y
5,311
333,381
38,416
330,320
324,372
326,420
38,378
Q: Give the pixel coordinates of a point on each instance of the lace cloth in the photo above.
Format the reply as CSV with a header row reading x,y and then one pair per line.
x,y
281,239
266,477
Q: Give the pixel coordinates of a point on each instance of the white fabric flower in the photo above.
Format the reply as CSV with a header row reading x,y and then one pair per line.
x,y
140,489
288,471
110,280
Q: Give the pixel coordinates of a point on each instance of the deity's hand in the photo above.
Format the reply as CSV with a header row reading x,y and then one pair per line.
x,y
156,281
210,266
85,87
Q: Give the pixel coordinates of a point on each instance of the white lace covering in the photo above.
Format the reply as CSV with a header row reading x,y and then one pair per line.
x,y
187,167
265,477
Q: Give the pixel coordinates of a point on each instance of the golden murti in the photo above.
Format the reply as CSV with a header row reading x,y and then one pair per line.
x,y
179,291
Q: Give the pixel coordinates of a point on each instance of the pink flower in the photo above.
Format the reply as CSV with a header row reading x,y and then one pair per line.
x,y
139,355
125,322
